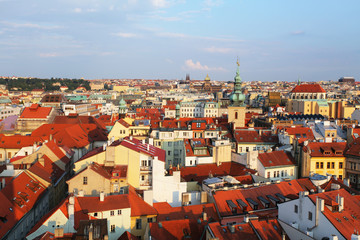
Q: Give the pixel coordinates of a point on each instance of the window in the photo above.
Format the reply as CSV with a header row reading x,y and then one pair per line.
x,y
95,214
291,172
340,164
112,228
112,213
268,174
85,181
328,165
310,216
142,177
296,208
247,149
138,223
236,115
332,165
340,177
277,173
169,153
169,144
317,165
149,220
274,174
321,165
9,155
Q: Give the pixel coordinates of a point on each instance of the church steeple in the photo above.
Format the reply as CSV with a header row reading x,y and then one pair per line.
x,y
237,98
299,81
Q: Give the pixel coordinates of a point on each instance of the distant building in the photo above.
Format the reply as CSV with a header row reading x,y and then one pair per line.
x,y
350,80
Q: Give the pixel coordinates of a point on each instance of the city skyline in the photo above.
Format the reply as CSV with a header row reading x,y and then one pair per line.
x,y
160,39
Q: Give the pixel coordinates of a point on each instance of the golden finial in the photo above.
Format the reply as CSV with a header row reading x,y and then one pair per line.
x,y
237,62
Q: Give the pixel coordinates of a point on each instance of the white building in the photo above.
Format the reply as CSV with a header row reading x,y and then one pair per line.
x,y
325,215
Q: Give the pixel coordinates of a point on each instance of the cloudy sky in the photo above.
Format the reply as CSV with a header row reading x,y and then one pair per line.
x,y
165,39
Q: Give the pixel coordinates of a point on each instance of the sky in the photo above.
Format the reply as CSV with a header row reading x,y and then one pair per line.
x,y
275,40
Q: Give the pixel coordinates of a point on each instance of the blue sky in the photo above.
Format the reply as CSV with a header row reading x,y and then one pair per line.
x,y
165,39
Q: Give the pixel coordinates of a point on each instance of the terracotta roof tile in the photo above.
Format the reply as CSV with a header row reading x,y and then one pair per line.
x,y
308,88
276,159
242,231
138,206
35,111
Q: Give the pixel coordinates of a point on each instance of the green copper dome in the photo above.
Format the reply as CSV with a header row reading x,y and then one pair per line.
x,y
237,98
177,107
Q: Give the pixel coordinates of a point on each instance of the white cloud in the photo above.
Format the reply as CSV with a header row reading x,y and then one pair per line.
x,y
298,33
77,10
159,3
218,50
126,35
191,65
213,3
49,55
80,10
171,35
29,25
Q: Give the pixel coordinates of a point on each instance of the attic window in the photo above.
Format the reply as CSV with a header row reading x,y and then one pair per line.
x,y
240,228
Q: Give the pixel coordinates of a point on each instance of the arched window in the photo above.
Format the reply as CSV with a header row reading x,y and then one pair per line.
x,y
236,115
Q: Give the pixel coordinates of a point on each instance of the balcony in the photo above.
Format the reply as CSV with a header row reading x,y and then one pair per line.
x,y
145,168
146,183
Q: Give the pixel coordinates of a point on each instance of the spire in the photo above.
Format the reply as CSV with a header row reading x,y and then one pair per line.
x,y
299,81
237,97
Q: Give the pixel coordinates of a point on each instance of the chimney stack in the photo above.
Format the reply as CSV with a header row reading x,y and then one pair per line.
x,y
340,201
102,196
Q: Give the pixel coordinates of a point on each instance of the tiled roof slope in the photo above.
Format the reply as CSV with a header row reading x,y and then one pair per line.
x,y
308,88
35,111
276,158
350,215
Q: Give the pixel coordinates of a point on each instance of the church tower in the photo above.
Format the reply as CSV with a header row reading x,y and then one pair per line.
x,y
122,108
236,110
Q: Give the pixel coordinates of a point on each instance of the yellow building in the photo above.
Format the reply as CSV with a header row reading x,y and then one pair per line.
x,y
137,156
323,158
309,106
120,88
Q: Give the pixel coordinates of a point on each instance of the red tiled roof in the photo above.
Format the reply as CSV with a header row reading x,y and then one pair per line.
x,y
18,141
78,120
351,208
50,172
284,188
178,229
127,236
111,202
17,198
166,212
269,229
201,172
302,133
138,146
276,159
322,149
242,231
125,124
35,111
354,148
253,136
308,88
138,206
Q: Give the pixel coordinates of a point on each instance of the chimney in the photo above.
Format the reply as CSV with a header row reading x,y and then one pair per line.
x,y
178,124
104,146
51,137
71,211
320,190
355,236
334,237
148,147
131,138
91,236
340,201
59,232
346,182
81,193
102,196
246,218
320,203
232,228
204,214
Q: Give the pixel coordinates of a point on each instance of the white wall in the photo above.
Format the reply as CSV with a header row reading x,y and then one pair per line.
x,y
167,188
288,215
